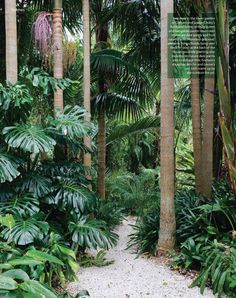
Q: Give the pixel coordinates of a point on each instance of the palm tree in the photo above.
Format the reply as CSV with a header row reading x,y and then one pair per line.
x,y
223,84
86,78
126,98
11,41
124,15
167,183
207,132
197,134
57,54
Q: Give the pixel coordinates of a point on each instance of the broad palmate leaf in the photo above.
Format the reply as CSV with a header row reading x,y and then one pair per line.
x,y
8,167
92,234
29,138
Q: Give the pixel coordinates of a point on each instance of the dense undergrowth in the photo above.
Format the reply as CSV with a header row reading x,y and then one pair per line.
x,y
206,229
48,215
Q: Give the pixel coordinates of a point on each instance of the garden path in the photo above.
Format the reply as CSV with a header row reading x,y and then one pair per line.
x,y
131,277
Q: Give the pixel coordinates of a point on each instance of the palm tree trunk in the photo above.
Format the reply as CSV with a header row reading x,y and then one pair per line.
x,y
11,41
102,37
86,78
101,153
207,132
207,137
197,136
167,180
57,54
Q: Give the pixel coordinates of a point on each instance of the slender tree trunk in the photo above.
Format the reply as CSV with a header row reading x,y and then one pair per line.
x,y
102,38
86,78
11,41
101,153
167,183
197,135
57,54
207,137
207,132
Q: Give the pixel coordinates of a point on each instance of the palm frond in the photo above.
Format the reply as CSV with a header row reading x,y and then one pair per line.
x,y
123,77
125,130
119,106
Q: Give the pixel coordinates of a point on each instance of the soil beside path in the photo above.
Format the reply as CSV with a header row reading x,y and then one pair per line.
x,y
129,277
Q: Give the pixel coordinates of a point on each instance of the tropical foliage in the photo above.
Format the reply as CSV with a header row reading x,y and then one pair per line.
x,y
158,148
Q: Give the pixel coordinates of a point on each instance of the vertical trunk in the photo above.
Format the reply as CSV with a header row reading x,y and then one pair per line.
x,y
57,54
86,78
207,137
167,183
207,132
102,38
101,153
197,137
11,41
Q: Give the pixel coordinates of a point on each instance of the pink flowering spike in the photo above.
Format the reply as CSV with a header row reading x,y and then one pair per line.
x,y
43,32
234,270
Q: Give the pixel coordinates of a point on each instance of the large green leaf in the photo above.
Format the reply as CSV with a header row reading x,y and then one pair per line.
x,y
17,274
29,138
25,231
43,257
71,123
8,167
35,287
7,283
73,195
21,205
7,221
24,262
35,183
92,234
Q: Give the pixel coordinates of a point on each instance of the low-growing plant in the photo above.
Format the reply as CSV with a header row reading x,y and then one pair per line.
x,y
218,268
136,194
17,283
99,260
145,236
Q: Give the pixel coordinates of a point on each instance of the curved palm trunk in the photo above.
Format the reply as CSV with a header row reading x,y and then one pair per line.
x,y
11,41
101,153
86,78
197,135
57,54
167,183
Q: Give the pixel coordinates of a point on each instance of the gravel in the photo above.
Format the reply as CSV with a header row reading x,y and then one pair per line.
x,y
131,277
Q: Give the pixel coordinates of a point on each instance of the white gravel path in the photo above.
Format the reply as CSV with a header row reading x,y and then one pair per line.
x,y
129,277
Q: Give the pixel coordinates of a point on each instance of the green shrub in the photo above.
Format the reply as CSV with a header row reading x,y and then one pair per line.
x,y
218,268
136,194
145,235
